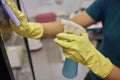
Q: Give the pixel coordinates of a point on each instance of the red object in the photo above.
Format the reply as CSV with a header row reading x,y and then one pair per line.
x,y
45,17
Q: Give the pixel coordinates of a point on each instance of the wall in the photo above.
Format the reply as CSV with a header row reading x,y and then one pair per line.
x,y
33,7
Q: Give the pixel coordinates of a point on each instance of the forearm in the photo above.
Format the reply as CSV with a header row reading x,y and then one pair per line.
x,y
83,19
114,74
52,28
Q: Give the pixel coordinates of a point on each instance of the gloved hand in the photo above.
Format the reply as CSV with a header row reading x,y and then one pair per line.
x,y
78,48
27,29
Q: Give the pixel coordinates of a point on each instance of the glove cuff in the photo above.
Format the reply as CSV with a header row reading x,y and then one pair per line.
x,y
100,65
36,31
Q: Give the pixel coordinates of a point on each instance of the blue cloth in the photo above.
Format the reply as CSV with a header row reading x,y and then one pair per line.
x,y
109,12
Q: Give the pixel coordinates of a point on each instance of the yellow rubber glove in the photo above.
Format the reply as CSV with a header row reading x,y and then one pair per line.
x,y
27,29
79,49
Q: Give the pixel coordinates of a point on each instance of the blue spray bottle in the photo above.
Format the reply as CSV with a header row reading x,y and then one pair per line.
x,y
70,68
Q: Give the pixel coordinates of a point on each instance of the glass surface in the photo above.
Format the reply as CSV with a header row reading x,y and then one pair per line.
x,y
15,48
5,69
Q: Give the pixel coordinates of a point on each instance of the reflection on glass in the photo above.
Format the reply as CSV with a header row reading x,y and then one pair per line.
x,y
4,25
15,48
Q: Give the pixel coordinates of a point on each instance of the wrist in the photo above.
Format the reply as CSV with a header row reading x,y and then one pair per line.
x,y
100,65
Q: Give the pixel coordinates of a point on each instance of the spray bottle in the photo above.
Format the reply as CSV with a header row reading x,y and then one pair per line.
x,y
70,68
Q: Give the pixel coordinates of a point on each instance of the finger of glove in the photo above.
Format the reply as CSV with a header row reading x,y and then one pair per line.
x,y
11,5
67,37
74,55
70,55
14,8
15,28
62,43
